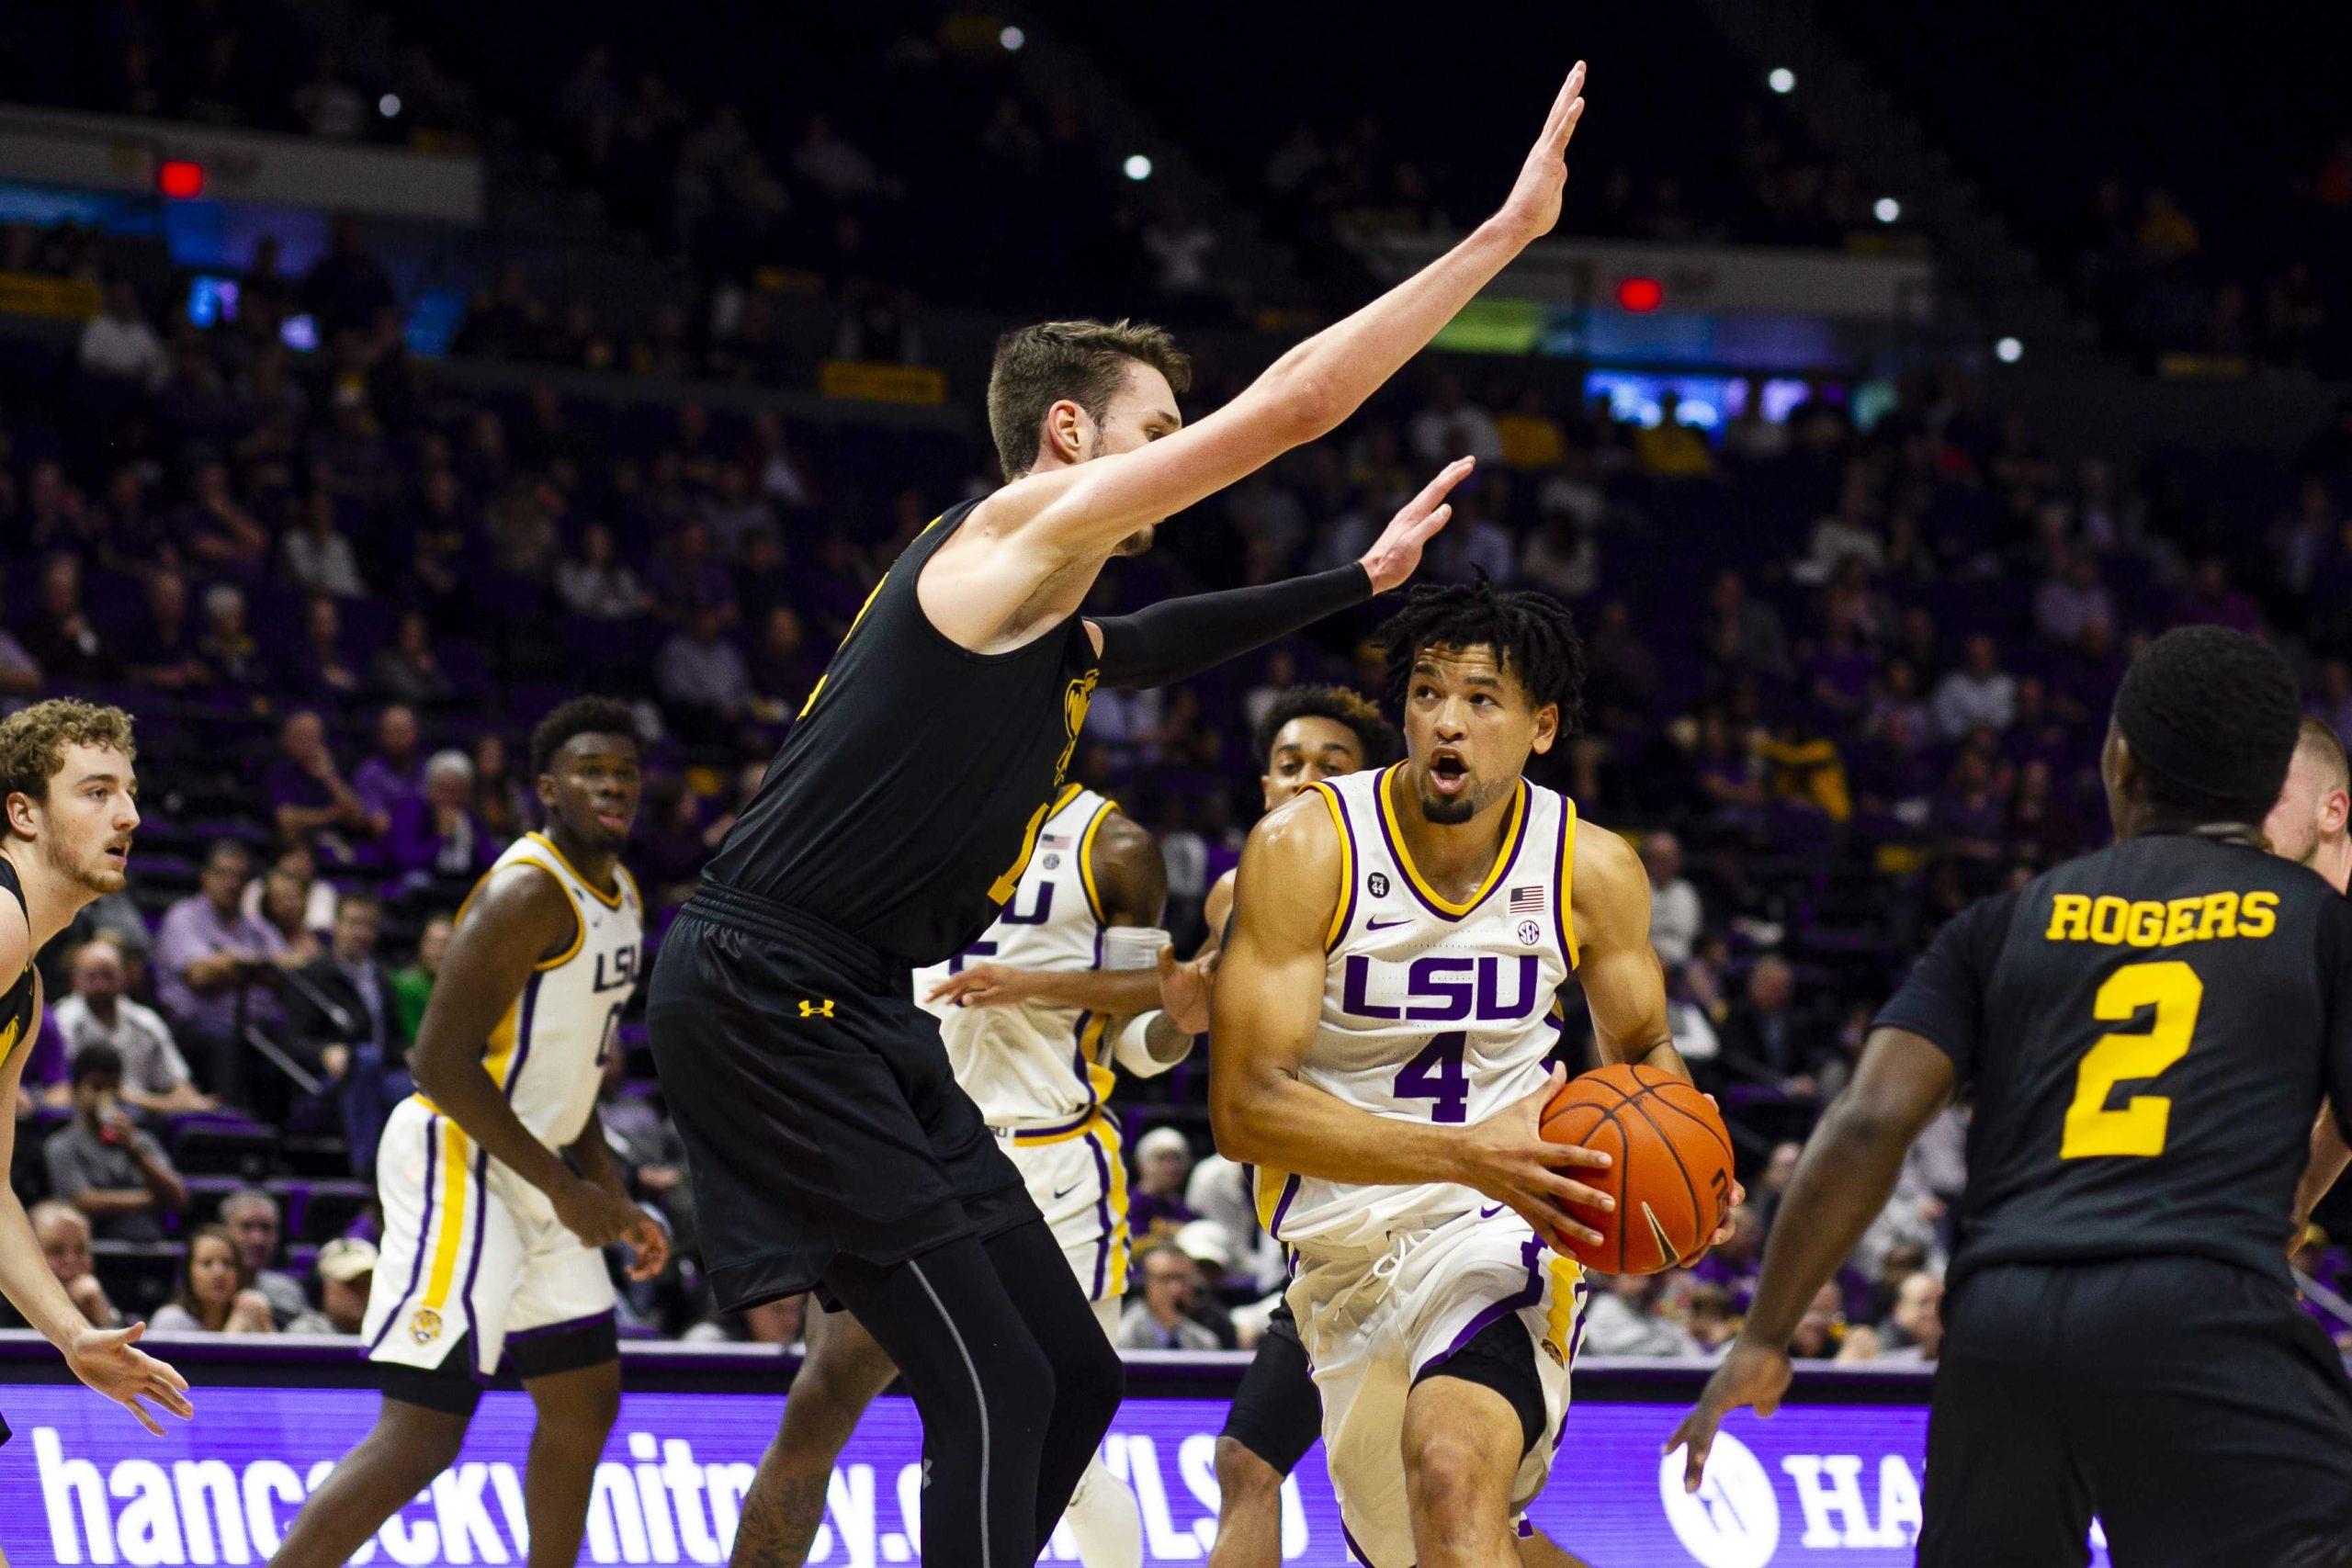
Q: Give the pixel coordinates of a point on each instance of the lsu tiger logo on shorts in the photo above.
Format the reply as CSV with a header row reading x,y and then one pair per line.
x,y
424,1325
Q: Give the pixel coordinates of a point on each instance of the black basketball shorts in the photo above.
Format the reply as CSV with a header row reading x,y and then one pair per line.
x,y
816,1103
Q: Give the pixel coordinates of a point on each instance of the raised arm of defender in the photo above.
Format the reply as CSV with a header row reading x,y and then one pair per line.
x,y
1079,514
1267,999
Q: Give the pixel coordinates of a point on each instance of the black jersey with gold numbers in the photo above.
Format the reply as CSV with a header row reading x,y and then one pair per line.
x,y
2147,1031
16,998
905,802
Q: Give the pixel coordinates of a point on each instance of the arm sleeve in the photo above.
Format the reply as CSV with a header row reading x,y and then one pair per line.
x,y
1180,638
1943,999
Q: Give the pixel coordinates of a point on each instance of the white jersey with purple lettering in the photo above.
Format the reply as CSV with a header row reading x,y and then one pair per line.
x,y
1432,1011
1040,1073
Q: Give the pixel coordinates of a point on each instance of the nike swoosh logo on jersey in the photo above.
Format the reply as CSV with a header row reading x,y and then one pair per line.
x,y
1383,925
1492,1211
1065,1192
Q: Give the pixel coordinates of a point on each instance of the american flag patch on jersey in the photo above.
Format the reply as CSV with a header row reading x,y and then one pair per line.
x,y
1054,841
1530,900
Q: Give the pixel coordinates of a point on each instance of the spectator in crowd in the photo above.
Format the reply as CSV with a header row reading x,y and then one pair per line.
x,y
104,1164
1156,1208
118,345
1980,694
652,1155
1822,1330
703,679
406,668
2070,598
438,836
1913,1331
1622,1319
412,984
162,650
393,774
594,583
231,657
1711,1319
1453,426
1164,1319
321,669
347,289
62,636
1741,635
63,1232
1767,1038
155,1075
256,1227
215,1293
208,955
285,909
502,800
318,554
342,1022
306,791
316,899
1677,917
345,1270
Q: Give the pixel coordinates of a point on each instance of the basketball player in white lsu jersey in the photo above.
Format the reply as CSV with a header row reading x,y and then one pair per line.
x,y
1034,1047
1384,1019
497,1189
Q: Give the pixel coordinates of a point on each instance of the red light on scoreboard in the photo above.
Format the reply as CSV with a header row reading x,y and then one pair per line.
x,y
1640,295
181,179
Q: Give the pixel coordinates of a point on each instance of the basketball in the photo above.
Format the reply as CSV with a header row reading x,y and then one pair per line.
x,y
1671,1165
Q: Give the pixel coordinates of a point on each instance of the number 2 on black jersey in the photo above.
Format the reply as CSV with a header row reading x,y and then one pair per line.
x,y
2138,1126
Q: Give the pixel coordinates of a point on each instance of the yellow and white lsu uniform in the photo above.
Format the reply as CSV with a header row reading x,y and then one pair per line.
x,y
469,1245
1432,1011
1041,1075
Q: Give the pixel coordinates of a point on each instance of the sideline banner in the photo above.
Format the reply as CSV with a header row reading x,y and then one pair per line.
x,y
80,1483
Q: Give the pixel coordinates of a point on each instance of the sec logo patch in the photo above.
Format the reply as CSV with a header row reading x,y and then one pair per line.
x,y
1530,932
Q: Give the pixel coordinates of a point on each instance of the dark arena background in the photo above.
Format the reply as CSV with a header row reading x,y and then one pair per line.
x,y
375,376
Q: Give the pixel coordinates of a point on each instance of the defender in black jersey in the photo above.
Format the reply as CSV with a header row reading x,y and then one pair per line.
x,y
70,806
827,1141
2147,1033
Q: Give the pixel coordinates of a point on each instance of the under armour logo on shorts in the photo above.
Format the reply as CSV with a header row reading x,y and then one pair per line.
x,y
822,1009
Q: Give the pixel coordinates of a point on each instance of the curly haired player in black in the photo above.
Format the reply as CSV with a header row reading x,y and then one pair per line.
x,y
2148,1032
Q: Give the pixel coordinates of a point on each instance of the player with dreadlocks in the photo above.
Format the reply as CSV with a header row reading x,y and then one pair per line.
x,y
1384,1019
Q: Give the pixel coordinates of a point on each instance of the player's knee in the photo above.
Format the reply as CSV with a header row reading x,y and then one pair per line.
x,y
1242,1477
1090,1382
1449,1479
414,1443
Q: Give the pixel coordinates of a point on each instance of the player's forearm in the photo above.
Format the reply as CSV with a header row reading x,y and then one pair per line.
x,y
164,1183
2328,1157
593,1157
1120,993
1275,1119
26,1279
1345,362
464,1093
1178,639
1841,1184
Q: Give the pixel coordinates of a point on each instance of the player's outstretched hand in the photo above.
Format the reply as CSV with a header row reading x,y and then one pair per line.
x,y
598,1218
982,986
1396,554
1185,990
1533,205
1752,1375
109,1360
648,1241
1507,1158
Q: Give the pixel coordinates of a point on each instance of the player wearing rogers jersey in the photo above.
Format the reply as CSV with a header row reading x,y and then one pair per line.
x,y
1380,1051
1039,1069
497,1190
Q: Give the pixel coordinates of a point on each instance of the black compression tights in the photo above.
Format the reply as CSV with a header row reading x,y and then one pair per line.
x,y
1012,1375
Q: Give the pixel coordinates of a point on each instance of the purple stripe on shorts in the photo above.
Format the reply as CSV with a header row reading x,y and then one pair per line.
x,y
424,1230
481,1227
1101,1207
1032,1133
1531,1254
1357,1552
